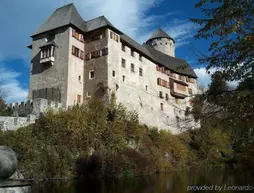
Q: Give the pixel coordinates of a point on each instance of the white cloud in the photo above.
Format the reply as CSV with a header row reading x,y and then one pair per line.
x,y
182,31
11,86
22,18
204,79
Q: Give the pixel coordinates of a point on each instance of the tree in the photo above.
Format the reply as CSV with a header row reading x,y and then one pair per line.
x,y
229,25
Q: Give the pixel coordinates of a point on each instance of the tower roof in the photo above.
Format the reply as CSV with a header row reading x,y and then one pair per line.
x,y
160,34
63,16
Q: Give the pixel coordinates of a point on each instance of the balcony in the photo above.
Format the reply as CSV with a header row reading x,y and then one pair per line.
x,y
48,53
179,89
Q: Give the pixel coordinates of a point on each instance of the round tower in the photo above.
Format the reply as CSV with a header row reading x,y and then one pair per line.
x,y
162,42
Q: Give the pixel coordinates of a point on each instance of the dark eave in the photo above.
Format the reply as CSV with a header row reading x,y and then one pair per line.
x,y
51,43
179,82
177,95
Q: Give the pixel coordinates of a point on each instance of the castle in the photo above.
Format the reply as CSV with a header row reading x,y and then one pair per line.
x,y
74,60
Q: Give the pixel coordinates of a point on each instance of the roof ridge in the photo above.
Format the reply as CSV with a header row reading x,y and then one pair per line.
x,y
95,18
70,4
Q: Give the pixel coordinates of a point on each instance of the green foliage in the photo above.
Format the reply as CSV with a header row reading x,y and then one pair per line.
x,y
94,140
229,24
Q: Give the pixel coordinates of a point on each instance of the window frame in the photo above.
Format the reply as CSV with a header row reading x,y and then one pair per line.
x,y
90,74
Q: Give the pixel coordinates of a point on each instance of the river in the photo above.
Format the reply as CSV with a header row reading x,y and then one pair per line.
x,y
175,182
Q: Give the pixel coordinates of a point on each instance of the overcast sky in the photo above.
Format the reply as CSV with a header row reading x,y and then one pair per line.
x,y
137,18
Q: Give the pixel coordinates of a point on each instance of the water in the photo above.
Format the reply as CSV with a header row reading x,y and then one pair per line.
x,y
175,182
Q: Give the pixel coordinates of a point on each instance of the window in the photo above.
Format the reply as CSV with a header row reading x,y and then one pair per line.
x,y
162,107
132,68
161,95
190,91
181,77
88,56
140,72
47,51
104,51
146,87
123,63
77,52
167,97
91,74
95,54
81,55
123,78
140,57
114,36
77,35
88,94
123,47
79,78
79,98
181,87
178,122
132,53
113,73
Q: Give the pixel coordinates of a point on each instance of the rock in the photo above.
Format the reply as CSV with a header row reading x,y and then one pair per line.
x,y
17,176
8,162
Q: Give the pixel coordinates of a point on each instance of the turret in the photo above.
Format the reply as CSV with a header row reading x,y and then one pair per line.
x,y
162,42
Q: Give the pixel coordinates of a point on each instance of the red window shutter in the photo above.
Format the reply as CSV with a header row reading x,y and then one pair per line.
x,y
73,32
81,54
73,50
88,56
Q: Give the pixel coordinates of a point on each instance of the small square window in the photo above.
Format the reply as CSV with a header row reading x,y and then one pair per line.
x,y
167,97
132,53
123,47
88,94
91,74
123,78
132,68
79,98
140,72
123,63
113,73
162,107
161,95
104,52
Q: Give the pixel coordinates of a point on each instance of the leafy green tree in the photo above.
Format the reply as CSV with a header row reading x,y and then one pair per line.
x,y
229,25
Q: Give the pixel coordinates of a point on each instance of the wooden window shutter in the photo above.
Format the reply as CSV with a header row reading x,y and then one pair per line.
x,y
73,32
73,50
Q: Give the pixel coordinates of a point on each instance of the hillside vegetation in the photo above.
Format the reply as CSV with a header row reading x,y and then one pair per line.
x,y
93,140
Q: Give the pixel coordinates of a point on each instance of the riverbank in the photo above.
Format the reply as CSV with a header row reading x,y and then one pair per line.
x,y
94,141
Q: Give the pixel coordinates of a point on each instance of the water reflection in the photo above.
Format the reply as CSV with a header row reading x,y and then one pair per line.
x,y
175,182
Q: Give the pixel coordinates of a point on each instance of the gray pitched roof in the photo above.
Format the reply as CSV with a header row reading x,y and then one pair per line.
x,y
68,15
97,23
160,34
61,17
172,63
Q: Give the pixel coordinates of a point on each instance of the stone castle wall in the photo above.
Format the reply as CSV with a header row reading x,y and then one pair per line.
x,y
26,113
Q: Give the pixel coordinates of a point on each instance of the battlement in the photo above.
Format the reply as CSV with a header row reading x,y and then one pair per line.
x,y
34,107
26,113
